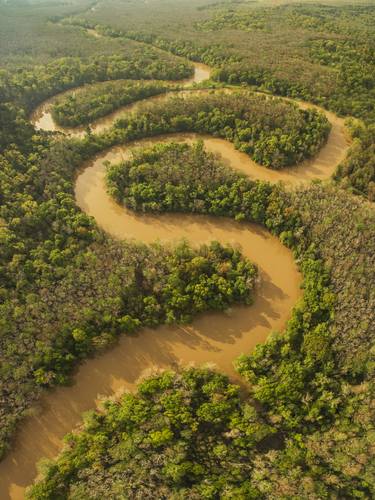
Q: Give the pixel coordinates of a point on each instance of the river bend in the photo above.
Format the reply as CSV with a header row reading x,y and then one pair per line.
x,y
214,338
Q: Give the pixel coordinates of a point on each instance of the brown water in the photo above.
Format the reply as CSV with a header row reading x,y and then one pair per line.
x,y
322,166
42,119
213,338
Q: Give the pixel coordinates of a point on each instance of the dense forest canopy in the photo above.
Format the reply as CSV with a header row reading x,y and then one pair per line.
x,y
314,382
189,428
272,132
30,87
89,103
60,297
317,52
29,38
190,435
304,426
169,176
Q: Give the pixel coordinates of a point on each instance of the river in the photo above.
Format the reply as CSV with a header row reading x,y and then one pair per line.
x,y
215,338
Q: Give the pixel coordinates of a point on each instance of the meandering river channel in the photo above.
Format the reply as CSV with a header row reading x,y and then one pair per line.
x,y
212,338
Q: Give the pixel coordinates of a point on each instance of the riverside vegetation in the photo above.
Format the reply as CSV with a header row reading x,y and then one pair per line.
x,y
190,434
52,255
273,132
329,57
310,435
317,52
30,87
182,178
86,105
46,238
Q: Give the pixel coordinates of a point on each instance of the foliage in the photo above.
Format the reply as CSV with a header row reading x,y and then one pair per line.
x,y
14,127
273,132
185,178
354,62
183,434
60,298
306,382
27,38
341,229
318,17
322,53
357,171
89,103
30,87
310,433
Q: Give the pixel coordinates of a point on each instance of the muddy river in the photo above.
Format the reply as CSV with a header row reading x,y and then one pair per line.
x,y
212,338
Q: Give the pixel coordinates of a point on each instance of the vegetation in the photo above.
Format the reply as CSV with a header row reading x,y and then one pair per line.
x,y
273,132
313,385
27,38
316,52
90,103
190,435
305,428
186,434
184,178
357,171
30,87
322,53
67,290
301,219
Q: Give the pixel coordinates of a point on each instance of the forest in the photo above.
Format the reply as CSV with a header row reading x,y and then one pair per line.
x,y
280,133
322,53
185,178
315,376
301,424
191,435
90,103
194,439
30,87
357,172
334,42
53,255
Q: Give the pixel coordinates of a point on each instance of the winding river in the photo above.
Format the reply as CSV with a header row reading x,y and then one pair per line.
x,y
212,338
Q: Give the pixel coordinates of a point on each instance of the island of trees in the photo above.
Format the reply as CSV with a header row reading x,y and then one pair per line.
x,y
273,132
89,103
179,177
